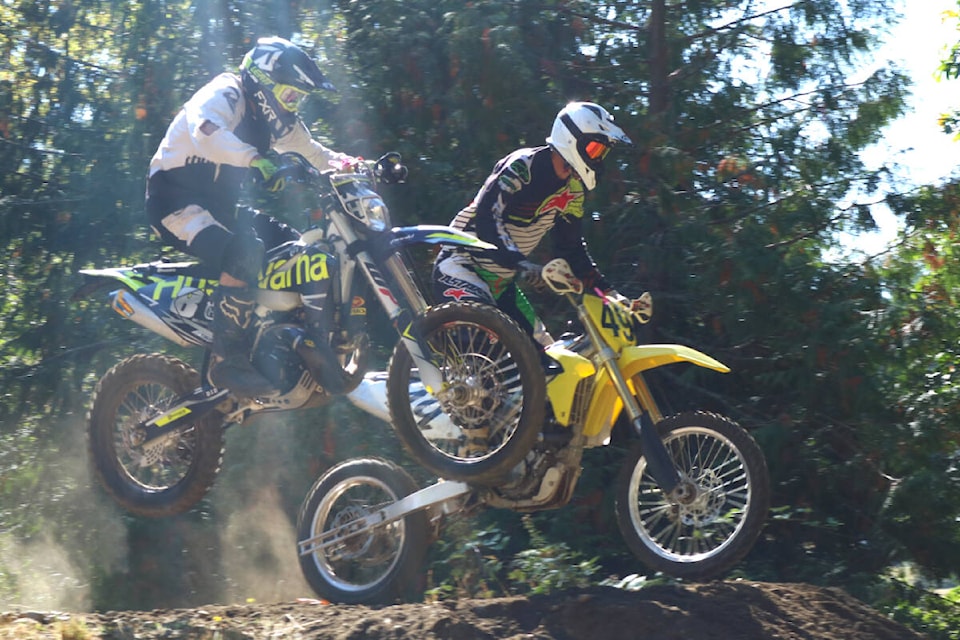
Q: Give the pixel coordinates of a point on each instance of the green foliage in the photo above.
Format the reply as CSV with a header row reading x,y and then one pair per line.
x,y
438,81
549,566
937,616
748,127
467,562
949,69
921,446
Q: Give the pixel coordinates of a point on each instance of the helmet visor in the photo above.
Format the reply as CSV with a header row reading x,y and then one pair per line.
x,y
289,97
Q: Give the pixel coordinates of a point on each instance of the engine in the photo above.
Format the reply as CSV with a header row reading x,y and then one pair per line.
x,y
275,357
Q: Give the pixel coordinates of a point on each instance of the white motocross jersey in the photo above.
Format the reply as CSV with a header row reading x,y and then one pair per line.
x,y
207,149
220,102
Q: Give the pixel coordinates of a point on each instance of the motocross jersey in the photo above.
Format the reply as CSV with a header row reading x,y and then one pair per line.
x,y
206,152
517,205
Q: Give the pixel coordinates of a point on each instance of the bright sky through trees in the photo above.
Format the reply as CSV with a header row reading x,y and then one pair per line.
x,y
925,154
919,43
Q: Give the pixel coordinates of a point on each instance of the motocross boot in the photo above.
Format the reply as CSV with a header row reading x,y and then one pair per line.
x,y
230,365
320,358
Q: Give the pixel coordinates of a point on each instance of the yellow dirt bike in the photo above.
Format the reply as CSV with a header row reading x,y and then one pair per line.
x,y
691,497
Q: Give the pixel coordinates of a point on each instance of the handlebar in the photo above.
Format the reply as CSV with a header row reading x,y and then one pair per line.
x,y
560,278
294,170
293,167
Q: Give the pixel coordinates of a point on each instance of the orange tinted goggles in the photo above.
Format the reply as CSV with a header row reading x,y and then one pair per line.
x,y
596,150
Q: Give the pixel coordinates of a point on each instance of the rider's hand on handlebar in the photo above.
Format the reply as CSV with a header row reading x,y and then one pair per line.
x,y
267,170
643,307
348,164
529,274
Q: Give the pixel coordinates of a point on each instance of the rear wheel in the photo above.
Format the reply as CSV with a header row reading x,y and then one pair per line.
x,y
344,564
713,530
166,478
490,411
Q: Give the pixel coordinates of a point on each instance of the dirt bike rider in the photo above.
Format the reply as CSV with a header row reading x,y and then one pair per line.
x,y
530,192
220,135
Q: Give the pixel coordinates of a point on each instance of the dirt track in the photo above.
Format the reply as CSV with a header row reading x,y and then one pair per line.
x,y
719,610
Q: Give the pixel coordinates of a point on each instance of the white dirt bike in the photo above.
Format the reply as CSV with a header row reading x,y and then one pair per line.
x,y
691,496
156,434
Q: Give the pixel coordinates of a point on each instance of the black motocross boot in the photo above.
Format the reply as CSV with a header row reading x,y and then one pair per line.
x,y
230,365
320,358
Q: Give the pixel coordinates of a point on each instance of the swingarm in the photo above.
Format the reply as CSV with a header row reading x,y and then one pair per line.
x,y
444,495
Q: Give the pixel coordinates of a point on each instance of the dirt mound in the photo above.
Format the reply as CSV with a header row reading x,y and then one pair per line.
x,y
720,610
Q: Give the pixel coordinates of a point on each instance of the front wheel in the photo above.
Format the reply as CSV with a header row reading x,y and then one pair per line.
x,y
344,562
169,477
488,414
717,524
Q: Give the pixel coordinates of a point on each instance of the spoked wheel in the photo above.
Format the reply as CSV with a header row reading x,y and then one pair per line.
x,y
168,477
341,561
717,523
488,414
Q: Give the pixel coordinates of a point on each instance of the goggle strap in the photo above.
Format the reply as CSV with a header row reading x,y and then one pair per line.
x,y
574,129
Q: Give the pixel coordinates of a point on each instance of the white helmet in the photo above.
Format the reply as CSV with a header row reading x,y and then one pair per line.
x,y
583,133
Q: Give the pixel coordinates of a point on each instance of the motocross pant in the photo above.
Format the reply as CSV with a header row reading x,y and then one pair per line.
x,y
196,231
457,277
199,233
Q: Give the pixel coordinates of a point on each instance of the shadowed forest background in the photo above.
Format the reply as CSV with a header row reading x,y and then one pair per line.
x,y
748,120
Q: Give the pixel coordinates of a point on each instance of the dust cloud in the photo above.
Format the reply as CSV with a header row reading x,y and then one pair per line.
x,y
237,545
42,576
262,564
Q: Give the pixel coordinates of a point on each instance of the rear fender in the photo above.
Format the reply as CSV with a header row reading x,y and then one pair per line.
x,y
131,307
147,292
105,278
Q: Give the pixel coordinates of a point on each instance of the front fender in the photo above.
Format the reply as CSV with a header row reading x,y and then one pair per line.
x,y
436,234
649,356
605,406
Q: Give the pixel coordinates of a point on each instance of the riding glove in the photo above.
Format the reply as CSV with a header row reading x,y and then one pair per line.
x,y
529,274
267,171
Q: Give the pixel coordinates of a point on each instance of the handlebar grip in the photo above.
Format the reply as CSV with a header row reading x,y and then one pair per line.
x,y
389,169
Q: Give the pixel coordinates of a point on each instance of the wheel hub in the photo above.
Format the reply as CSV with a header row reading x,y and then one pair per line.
x,y
470,397
705,500
352,544
465,392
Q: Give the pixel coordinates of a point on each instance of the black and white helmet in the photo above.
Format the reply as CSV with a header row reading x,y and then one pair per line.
x,y
278,76
583,133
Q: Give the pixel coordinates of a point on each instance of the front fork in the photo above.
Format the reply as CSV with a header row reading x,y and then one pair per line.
x,y
415,343
659,461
